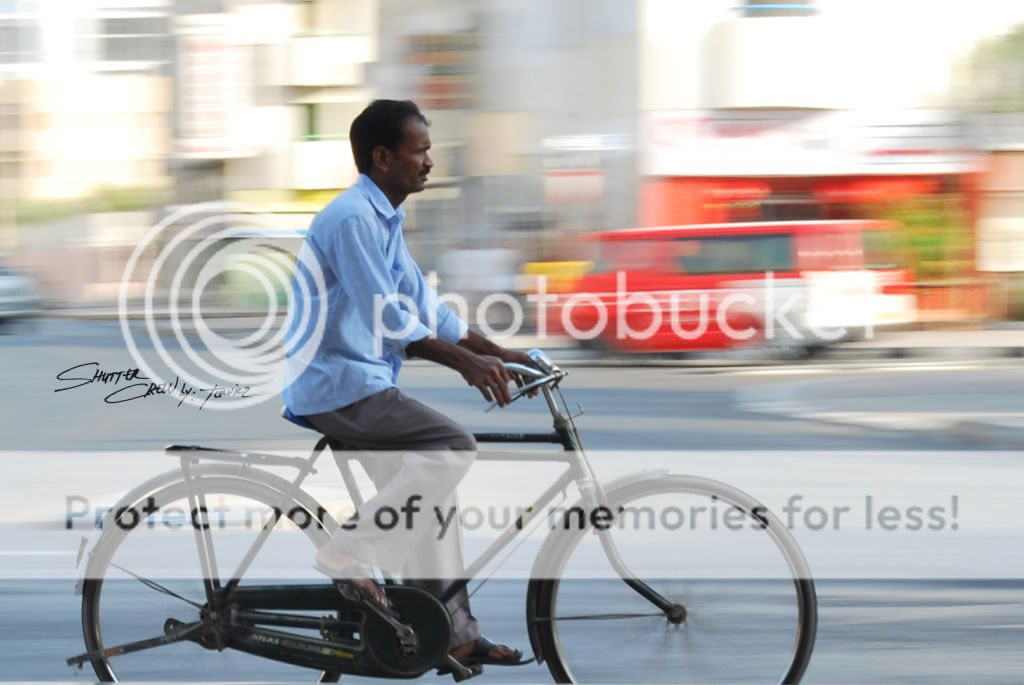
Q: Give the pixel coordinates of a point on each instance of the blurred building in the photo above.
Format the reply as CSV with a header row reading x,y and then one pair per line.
x,y
265,94
85,94
548,118
539,101
821,109
766,114
1001,222
1001,206
530,135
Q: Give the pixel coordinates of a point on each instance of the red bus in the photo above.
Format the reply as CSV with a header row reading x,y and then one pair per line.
x,y
719,286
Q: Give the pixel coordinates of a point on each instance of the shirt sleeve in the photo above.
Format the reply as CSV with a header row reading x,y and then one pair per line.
x,y
355,250
435,314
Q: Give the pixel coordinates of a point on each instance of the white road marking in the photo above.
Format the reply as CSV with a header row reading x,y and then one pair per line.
x,y
34,553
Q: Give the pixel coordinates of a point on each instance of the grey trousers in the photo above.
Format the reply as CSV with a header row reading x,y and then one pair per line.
x,y
408,450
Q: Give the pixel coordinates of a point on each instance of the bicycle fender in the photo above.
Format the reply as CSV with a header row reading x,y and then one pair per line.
x,y
140,492
535,601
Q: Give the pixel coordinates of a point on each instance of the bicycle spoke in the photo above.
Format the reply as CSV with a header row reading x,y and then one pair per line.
x,y
142,579
606,617
599,631
153,585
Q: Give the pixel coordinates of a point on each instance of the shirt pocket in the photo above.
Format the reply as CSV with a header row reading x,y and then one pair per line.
x,y
397,272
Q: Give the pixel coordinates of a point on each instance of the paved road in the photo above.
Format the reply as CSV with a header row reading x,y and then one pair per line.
x,y
945,629
870,632
659,408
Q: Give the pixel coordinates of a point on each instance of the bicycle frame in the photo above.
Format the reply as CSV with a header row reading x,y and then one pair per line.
x,y
262,603
563,434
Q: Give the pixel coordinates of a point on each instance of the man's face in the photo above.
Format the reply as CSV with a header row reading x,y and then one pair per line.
x,y
410,162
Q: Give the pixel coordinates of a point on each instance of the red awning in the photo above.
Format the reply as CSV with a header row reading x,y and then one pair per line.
x,y
875,189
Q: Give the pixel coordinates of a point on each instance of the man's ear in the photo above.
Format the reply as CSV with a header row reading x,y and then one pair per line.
x,y
381,157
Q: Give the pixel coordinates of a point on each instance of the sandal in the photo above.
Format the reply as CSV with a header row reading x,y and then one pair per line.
x,y
481,654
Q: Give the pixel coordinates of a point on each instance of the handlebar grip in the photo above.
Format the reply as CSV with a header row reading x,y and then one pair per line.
x,y
521,392
525,370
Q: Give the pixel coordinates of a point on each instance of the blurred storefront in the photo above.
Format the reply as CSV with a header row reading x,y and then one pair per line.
x,y
1001,207
734,140
746,166
708,167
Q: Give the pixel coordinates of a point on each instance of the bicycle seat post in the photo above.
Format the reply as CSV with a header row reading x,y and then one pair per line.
x,y
339,451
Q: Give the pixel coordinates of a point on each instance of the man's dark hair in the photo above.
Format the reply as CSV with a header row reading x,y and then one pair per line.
x,y
380,124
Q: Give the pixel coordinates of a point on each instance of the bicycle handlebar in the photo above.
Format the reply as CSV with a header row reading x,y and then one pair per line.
x,y
548,372
525,370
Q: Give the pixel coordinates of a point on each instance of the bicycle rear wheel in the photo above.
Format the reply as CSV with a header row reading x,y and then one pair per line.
x,y
748,605
145,570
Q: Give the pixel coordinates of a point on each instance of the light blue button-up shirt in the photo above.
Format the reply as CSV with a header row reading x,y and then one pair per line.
x,y
375,301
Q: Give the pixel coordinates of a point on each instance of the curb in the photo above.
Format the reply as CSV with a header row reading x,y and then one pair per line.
x,y
1004,434
979,432
929,351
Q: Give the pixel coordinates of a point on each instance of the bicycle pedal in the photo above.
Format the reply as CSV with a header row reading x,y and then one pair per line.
x,y
474,670
458,670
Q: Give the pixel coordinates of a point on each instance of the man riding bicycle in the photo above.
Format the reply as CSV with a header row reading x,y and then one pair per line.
x,y
378,309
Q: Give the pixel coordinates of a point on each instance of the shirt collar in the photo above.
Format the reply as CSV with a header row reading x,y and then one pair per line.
x,y
379,200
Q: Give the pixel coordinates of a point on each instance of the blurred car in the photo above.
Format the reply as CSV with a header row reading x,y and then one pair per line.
x,y
18,298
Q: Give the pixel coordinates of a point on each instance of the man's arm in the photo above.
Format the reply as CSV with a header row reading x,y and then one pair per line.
x,y
482,345
485,372
479,360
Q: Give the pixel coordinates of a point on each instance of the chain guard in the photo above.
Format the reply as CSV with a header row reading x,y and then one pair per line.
x,y
367,645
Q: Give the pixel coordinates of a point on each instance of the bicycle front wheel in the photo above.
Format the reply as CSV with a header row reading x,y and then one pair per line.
x,y
145,571
743,602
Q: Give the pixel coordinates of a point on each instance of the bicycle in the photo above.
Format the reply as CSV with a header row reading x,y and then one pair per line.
x,y
770,617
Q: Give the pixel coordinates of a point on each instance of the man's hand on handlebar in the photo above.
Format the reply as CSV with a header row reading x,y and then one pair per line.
x,y
514,357
489,375
481,362
486,380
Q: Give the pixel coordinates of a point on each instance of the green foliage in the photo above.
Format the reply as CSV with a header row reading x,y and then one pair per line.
x,y
937,231
104,200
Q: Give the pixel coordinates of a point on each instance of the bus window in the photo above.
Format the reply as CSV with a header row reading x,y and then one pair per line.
x,y
739,254
633,255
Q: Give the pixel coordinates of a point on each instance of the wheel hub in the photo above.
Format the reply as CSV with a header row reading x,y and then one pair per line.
x,y
676,615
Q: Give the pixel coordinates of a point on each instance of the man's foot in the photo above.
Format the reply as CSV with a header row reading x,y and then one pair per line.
x,y
340,567
483,651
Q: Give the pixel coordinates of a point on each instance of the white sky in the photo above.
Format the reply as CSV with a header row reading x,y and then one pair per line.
x,y
887,53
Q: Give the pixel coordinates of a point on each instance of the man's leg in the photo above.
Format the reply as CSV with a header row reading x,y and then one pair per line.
x,y
428,454
437,561
422,454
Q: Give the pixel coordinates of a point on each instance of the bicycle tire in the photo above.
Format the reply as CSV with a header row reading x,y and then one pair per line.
x,y
575,652
263,489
